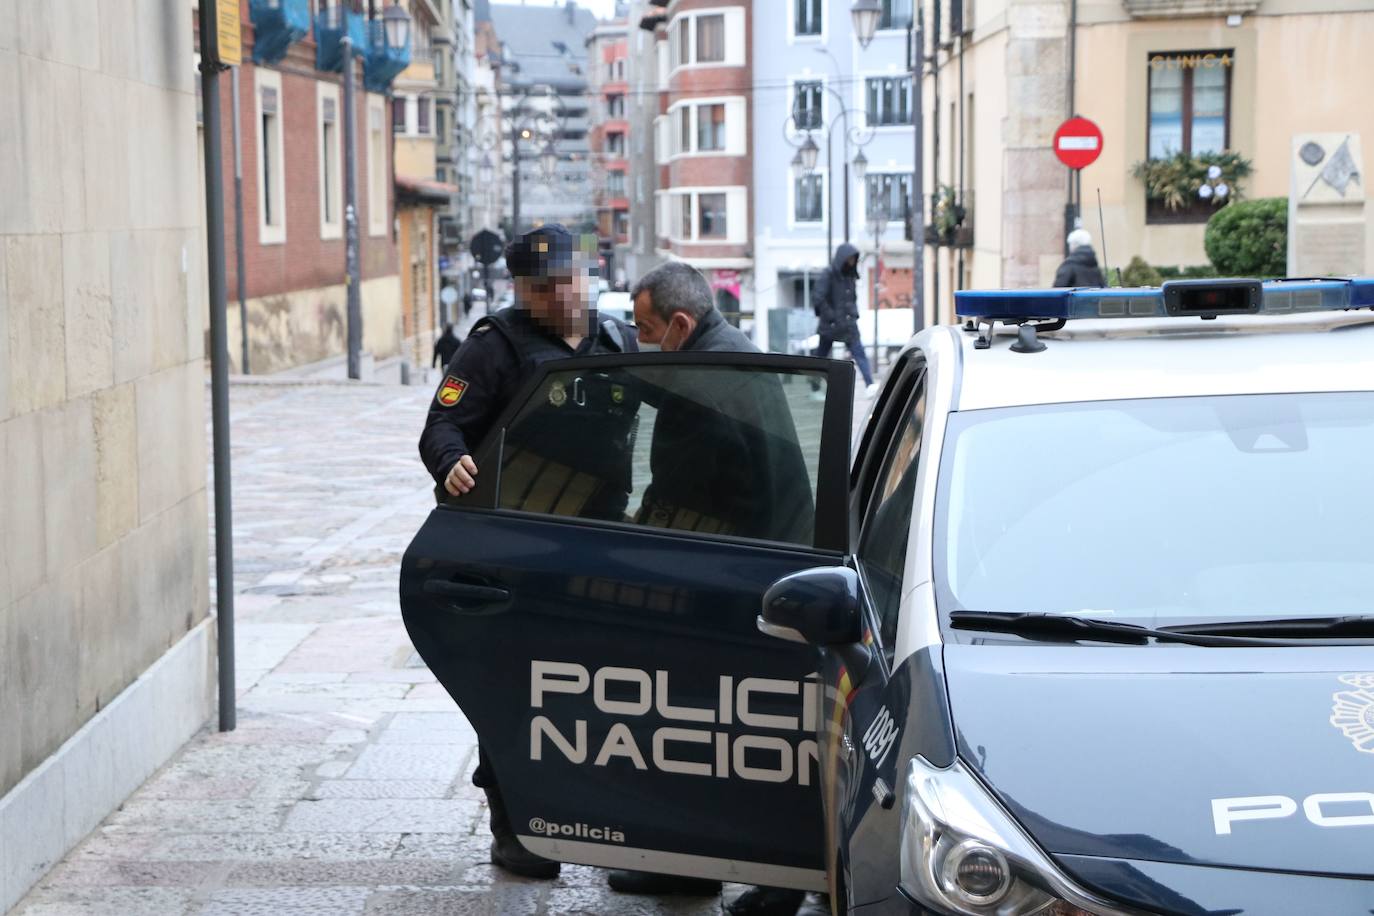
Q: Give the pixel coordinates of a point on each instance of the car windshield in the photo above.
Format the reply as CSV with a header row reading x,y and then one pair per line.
x,y
1161,511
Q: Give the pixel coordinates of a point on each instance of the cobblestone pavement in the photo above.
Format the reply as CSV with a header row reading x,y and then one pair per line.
x,y
345,788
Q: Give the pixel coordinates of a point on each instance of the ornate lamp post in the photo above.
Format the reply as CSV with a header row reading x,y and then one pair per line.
x,y
865,15
537,119
856,135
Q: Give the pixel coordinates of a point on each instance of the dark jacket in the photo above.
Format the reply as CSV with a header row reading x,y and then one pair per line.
x,y
1080,269
725,456
835,297
444,348
499,356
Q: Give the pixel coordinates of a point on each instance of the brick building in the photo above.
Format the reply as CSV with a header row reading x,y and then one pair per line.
x,y
291,137
609,143
702,145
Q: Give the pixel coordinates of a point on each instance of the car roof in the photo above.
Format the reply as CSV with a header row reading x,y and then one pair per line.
x,y
1097,360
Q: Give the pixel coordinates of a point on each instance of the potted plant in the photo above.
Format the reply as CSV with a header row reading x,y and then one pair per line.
x,y
1174,185
948,216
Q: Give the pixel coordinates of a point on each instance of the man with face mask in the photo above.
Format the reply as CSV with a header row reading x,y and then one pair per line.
x,y
551,319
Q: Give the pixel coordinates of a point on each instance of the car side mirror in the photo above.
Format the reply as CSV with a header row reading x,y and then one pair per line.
x,y
816,606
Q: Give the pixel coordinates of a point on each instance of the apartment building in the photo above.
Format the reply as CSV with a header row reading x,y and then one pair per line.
x,y
609,143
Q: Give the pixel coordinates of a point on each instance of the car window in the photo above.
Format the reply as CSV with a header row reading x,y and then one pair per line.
x,y
1166,511
715,449
883,540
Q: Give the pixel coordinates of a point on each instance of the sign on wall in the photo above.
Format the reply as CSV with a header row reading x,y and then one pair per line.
x,y
225,33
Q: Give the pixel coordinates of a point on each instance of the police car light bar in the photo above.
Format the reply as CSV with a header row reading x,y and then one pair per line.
x,y
1178,298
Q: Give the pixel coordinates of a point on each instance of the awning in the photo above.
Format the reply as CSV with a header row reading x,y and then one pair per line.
x,y
423,190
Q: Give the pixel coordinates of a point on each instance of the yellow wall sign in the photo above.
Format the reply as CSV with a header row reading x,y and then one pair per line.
x,y
228,48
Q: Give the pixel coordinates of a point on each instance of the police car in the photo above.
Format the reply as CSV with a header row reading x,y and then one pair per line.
x,y
1084,626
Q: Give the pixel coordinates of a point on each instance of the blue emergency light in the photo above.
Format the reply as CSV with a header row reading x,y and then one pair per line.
x,y
1178,298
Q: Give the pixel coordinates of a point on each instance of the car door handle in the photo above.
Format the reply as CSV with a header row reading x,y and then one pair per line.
x,y
467,597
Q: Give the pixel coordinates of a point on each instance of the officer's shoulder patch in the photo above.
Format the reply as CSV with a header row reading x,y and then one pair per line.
x,y
451,391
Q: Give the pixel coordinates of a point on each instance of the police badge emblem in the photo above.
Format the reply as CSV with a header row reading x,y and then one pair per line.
x,y
617,394
558,394
1352,711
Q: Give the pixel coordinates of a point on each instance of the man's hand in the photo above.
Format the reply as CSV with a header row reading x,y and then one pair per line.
x,y
460,476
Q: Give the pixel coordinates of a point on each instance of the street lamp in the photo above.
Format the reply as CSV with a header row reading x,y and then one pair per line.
x,y
865,14
797,164
860,166
396,25
548,161
808,153
486,170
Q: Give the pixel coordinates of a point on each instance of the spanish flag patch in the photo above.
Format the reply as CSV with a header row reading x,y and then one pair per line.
x,y
451,391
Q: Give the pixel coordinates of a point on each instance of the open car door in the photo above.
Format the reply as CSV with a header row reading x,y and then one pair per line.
x,y
591,606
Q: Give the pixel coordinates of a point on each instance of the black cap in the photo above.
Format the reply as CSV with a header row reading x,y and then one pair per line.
x,y
539,251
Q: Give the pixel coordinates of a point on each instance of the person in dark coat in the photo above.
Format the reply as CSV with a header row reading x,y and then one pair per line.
x,y
835,300
445,347
757,467
757,485
1080,267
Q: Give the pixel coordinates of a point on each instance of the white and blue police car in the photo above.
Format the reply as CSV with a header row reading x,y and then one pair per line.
x,y
1083,625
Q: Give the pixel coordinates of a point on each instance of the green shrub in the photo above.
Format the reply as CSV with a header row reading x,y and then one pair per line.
x,y
1175,179
1249,238
1138,273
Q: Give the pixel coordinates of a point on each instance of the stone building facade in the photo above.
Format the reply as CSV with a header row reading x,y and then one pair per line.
x,y
106,647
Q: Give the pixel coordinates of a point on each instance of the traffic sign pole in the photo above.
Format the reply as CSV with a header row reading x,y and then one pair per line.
x,y
1077,144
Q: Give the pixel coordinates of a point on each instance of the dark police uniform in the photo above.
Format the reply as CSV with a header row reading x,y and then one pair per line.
x,y
500,355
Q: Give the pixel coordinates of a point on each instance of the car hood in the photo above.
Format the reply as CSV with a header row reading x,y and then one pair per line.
x,y
1134,752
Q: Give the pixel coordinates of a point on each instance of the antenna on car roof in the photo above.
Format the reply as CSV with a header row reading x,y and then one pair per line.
x,y
1102,227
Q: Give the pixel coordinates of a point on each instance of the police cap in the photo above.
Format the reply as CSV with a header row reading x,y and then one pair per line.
x,y
541,251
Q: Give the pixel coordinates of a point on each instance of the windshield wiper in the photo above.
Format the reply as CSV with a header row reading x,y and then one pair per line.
x,y
1293,628
1068,627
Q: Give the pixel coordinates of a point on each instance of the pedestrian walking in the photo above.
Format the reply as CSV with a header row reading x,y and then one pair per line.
x,y
551,319
467,303
835,300
445,347
1080,267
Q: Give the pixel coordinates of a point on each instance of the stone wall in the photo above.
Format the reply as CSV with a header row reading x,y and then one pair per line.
x,y
102,303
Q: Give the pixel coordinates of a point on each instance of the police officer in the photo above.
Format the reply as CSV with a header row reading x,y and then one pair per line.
x,y
550,320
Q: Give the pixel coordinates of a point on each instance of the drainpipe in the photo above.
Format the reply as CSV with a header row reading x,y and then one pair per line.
x,y
1072,213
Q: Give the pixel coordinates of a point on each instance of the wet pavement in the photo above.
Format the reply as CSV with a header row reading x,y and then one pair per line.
x,y
345,788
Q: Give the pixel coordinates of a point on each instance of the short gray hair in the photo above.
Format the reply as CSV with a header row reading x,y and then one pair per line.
x,y
676,287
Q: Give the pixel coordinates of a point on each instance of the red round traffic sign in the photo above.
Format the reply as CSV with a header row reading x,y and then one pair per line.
x,y
1078,143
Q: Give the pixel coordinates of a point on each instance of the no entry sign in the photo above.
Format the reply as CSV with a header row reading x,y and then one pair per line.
x,y
1078,143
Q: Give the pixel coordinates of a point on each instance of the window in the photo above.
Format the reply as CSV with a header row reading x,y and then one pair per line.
x,y
580,447
682,44
684,129
1189,102
271,174
615,106
398,114
896,14
807,17
889,100
441,125
684,202
806,104
710,38
615,184
331,185
882,544
422,107
710,128
377,173
712,213
807,201
615,144
888,193
622,224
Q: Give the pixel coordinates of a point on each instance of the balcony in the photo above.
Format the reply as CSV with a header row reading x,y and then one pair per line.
x,y
952,223
331,25
277,25
383,62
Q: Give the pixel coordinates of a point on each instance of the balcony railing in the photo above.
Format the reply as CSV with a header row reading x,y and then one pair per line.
x,y
278,24
951,223
331,25
383,62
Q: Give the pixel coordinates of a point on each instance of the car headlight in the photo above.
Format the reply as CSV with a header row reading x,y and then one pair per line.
x,y
962,853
